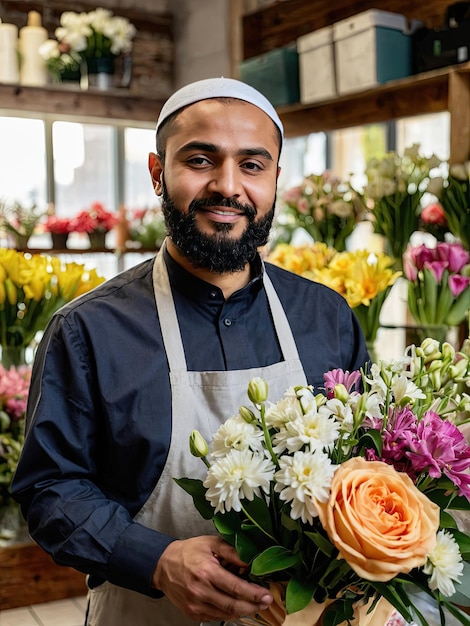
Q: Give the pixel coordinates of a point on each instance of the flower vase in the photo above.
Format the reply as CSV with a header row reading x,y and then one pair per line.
x,y
13,356
100,71
20,242
97,239
59,240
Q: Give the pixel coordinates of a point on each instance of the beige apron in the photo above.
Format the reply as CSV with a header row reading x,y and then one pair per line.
x,y
202,401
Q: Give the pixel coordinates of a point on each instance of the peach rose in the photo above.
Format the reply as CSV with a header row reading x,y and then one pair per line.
x,y
378,519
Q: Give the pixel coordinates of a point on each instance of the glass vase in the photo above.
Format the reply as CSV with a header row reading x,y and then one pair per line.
x,y
100,72
13,356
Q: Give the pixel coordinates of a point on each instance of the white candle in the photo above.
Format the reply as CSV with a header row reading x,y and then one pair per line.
x,y
33,70
9,66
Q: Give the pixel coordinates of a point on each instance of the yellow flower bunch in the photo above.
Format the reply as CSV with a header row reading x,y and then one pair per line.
x,y
363,278
32,288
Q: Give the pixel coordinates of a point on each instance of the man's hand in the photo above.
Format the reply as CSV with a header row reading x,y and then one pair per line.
x,y
191,575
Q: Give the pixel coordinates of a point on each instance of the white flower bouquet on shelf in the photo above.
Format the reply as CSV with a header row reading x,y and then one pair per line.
x,y
344,498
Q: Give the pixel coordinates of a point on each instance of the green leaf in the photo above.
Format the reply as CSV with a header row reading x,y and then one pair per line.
x,y
298,594
389,592
339,612
274,559
258,511
463,541
321,542
227,523
447,521
371,439
246,548
196,489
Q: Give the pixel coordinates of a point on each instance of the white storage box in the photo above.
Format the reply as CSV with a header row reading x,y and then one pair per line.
x,y
316,65
370,48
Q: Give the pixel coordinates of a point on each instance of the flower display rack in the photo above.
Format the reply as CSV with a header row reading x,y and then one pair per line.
x,y
30,576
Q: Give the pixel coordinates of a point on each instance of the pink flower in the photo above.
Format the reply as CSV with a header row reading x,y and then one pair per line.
x,y
293,195
341,377
422,254
454,254
458,284
434,214
437,268
439,447
14,387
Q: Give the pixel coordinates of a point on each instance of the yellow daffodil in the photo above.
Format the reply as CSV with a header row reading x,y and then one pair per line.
x,y
32,288
362,278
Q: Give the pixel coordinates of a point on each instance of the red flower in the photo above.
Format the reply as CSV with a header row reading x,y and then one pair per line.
x,y
59,225
434,214
97,218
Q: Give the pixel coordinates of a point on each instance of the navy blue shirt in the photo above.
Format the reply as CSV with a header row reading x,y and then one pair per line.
x,y
99,407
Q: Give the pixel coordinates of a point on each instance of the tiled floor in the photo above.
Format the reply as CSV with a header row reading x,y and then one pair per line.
x,y
70,612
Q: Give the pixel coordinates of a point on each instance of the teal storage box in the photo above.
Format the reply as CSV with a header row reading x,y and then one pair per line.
x,y
275,74
372,47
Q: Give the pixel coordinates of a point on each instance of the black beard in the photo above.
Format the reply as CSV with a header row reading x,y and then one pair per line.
x,y
216,253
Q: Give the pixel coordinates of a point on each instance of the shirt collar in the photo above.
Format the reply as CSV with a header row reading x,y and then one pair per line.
x,y
199,290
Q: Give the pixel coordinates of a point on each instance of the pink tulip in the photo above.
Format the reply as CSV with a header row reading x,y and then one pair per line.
x,y
421,255
293,194
454,254
458,284
409,266
437,268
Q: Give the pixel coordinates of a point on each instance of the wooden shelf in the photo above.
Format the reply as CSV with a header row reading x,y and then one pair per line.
x,y
114,104
447,89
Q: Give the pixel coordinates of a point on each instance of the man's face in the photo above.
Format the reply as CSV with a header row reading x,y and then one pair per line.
x,y
219,183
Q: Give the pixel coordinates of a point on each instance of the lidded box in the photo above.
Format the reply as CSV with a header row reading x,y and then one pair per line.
x,y
275,74
372,47
316,65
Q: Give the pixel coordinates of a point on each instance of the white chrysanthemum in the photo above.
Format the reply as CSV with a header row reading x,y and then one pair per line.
x,y
303,477
444,564
286,410
236,434
404,388
239,475
315,430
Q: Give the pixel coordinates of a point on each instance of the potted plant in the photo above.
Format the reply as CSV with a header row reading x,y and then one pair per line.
x,y
96,222
59,228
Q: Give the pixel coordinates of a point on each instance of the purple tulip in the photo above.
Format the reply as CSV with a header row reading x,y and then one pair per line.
x,y
437,268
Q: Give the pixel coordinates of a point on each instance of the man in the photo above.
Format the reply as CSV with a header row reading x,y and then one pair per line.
x,y
124,374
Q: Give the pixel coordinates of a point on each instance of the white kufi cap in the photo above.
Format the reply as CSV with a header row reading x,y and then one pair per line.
x,y
217,88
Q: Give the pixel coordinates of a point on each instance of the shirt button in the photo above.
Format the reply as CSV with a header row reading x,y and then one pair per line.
x,y
227,322
213,295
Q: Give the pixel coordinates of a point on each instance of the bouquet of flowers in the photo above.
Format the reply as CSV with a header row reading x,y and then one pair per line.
x,y
455,199
61,61
14,388
323,205
395,187
362,277
345,495
32,288
439,283
97,33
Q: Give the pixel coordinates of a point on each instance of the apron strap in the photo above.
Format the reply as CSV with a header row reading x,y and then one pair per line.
x,y
169,321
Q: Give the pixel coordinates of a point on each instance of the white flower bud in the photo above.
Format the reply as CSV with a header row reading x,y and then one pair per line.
x,y
341,393
198,446
258,390
247,415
